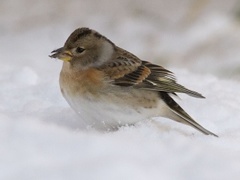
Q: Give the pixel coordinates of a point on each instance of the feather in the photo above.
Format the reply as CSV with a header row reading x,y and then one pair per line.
x,y
182,116
129,71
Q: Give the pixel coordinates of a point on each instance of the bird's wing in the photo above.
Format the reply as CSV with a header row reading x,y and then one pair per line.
x,y
144,75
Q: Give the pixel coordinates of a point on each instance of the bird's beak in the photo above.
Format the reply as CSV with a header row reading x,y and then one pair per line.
x,y
62,54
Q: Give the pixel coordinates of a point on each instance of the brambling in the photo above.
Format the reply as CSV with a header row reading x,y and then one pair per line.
x,y
110,87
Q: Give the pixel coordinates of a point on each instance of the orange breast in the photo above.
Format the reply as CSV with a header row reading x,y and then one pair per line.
x,y
81,82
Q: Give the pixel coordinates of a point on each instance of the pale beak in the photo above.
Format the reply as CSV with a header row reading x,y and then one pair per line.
x,y
61,54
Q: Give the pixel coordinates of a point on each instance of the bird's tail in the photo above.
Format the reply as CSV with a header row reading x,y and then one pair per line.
x,y
178,114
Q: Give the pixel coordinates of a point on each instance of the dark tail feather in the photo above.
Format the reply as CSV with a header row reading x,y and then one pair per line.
x,y
181,116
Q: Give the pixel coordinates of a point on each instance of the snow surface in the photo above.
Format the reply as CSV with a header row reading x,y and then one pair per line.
x,y
42,138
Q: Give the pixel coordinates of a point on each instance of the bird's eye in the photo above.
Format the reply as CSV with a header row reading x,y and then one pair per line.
x,y
79,50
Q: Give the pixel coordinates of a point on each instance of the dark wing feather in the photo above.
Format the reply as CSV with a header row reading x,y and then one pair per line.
x,y
164,80
144,75
134,78
159,71
120,67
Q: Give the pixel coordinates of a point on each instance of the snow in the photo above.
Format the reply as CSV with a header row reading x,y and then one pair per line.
x,y
42,138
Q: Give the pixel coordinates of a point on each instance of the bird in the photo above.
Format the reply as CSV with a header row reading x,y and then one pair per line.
x,y
110,87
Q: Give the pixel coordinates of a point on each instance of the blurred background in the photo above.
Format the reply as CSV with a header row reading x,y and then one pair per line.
x,y
40,135
200,36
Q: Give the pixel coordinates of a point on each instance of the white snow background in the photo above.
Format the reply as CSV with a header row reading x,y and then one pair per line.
x,y
42,138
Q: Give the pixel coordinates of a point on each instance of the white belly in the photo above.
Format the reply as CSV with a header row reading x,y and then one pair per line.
x,y
102,115
108,112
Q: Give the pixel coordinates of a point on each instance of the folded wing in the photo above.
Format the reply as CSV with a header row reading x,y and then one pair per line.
x,y
134,73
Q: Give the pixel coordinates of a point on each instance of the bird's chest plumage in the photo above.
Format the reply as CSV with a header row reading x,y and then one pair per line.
x,y
80,83
102,106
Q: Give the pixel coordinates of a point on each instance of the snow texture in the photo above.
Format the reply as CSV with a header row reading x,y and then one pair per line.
x,y
42,138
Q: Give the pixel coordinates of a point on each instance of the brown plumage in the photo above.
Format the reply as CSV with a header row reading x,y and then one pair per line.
x,y
102,81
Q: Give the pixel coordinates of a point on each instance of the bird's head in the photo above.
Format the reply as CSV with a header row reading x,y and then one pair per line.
x,y
85,48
